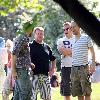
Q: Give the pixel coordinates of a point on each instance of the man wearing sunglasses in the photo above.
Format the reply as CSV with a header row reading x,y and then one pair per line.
x,y
64,46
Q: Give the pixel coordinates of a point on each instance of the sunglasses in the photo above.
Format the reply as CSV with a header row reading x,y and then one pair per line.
x,y
66,29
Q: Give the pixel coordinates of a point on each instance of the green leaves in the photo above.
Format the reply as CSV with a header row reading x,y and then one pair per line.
x,y
29,25
10,6
7,6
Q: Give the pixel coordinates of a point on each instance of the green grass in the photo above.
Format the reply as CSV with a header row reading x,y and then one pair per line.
x,y
56,95
95,94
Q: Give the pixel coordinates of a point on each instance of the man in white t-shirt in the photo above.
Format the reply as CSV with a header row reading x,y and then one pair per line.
x,y
81,71
64,46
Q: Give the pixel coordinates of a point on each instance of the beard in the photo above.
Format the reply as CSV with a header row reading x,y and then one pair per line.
x,y
75,33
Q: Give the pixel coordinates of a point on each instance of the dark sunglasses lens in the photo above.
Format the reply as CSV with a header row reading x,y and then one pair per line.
x,y
66,29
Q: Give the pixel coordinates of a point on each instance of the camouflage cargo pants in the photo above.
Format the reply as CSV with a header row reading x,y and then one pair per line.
x,y
80,81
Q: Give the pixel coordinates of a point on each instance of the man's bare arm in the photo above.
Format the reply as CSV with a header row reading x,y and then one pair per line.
x,y
92,65
92,55
52,68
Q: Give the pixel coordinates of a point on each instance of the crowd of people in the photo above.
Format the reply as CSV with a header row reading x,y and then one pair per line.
x,y
30,67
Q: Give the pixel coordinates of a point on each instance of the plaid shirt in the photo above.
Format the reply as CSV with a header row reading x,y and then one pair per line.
x,y
21,50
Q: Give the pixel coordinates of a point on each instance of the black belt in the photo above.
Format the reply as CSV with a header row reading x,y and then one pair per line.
x,y
80,66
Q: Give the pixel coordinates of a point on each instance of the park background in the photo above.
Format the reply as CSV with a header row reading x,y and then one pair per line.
x,y
13,13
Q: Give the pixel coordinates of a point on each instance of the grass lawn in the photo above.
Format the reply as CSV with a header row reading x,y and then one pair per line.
x,y
95,93
56,95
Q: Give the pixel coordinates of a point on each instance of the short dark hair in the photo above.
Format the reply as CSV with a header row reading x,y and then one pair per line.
x,y
66,23
38,28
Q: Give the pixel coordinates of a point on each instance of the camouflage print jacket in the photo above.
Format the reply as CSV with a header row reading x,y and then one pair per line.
x,y
21,50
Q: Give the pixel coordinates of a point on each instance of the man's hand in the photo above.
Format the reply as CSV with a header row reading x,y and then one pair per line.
x,y
51,71
92,68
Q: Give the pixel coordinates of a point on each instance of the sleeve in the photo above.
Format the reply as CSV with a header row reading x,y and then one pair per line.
x,y
51,54
59,43
17,45
89,41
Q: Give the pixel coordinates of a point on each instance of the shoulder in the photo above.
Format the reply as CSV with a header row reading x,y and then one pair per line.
x,y
60,40
31,43
47,45
85,37
22,37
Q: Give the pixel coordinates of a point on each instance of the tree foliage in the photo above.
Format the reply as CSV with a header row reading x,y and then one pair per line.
x,y
11,6
92,6
7,27
50,16
54,17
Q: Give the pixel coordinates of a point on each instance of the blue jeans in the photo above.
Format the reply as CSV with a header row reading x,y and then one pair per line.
x,y
23,85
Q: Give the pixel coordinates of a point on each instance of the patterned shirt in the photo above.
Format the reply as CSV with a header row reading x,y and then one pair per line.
x,y
21,50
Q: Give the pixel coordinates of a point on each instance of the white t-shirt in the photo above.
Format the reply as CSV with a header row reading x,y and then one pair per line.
x,y
80,50
66,61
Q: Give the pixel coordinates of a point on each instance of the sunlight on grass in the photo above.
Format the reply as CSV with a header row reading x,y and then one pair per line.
x,y
56,95
95,94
